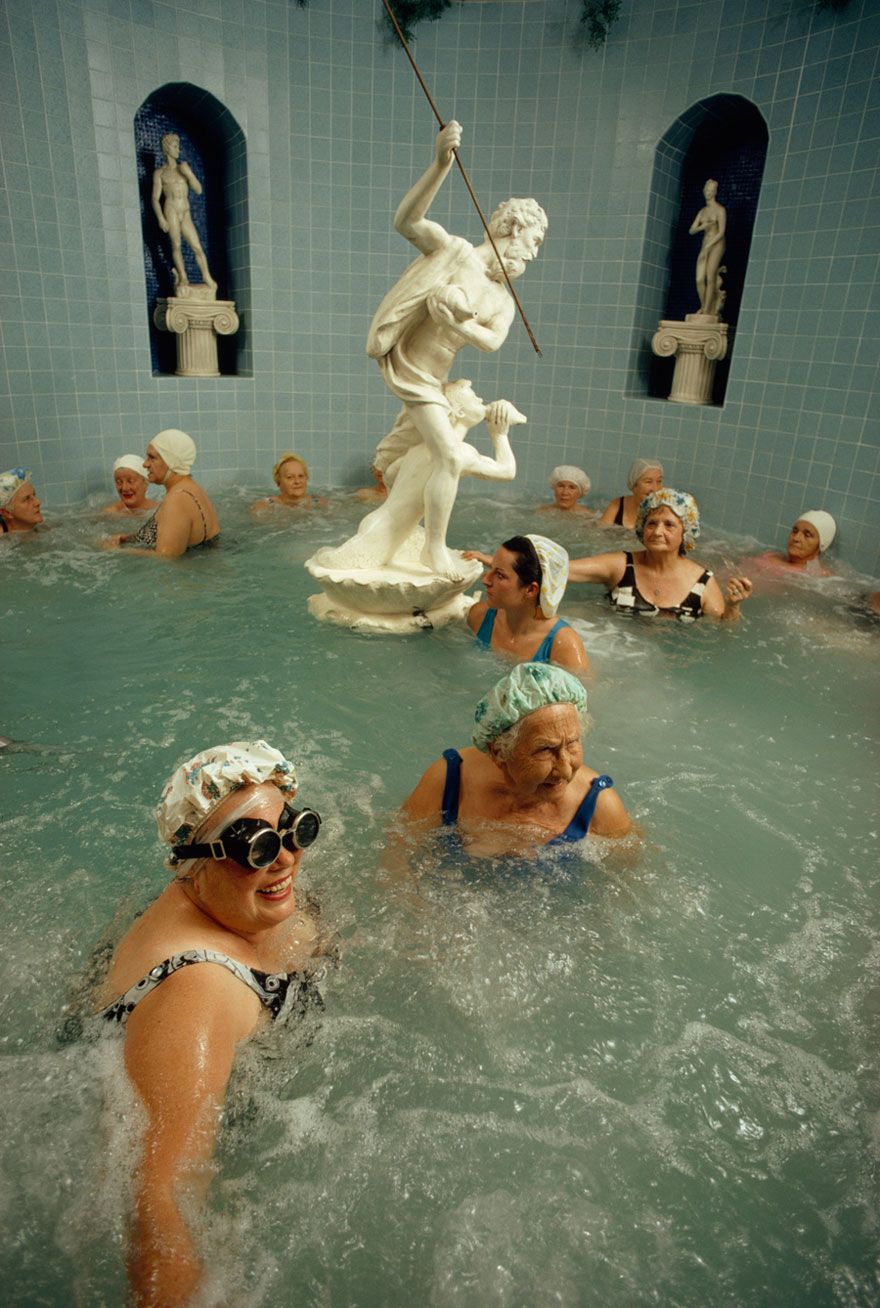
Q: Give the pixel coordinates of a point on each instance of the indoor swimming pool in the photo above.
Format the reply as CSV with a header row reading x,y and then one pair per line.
x,y
648,1077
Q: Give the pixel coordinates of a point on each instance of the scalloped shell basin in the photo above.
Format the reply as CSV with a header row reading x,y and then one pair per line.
x,y
399,590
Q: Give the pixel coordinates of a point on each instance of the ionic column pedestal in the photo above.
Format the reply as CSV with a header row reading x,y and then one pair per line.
x,y
197,319
697,344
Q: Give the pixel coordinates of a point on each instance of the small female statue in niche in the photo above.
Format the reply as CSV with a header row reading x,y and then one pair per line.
x,y
712,222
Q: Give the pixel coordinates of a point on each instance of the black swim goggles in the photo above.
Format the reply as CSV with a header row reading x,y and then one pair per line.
x,y
254,844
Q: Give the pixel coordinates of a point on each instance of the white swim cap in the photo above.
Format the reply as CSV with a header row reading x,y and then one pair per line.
x,y
824,524
568,472
133,463
176,448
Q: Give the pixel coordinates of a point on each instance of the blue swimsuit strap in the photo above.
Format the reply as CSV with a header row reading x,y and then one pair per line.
x,y
451,787
580,823
487,626
545,649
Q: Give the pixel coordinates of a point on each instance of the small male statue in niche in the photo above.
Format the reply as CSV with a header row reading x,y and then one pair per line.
x,y
712,222
453,295
171,186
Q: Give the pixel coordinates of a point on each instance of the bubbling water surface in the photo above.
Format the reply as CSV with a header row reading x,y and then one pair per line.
x,y
642,1074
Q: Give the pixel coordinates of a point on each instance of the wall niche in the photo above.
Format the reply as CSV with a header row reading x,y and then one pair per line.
x,y
213,145
723,137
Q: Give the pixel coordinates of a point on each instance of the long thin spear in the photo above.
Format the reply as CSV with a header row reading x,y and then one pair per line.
x,y
467,182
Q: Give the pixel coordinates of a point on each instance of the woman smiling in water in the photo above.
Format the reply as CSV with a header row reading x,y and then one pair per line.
x,y
132,484
210,961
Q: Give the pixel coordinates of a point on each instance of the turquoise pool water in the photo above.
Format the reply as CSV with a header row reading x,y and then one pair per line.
x,y
652,1081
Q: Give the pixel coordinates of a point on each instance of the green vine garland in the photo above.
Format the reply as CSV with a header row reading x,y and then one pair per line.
x,y
597,18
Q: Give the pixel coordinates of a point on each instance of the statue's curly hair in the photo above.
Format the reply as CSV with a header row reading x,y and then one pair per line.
x,y
527,212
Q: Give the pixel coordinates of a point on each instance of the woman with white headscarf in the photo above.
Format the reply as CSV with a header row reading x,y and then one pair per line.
x,y
132,483
807,541
524,784
569,485
186,518
524,583
645,476
223,951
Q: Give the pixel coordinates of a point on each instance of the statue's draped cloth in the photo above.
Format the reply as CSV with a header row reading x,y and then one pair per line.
x,y
405,308
402,311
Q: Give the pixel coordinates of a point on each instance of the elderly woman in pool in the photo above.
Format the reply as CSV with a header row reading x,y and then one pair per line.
x,y
525,582
132,483
291,476
186,519
807,541
569,485
660,580
223,950
645,476
19,507
524,784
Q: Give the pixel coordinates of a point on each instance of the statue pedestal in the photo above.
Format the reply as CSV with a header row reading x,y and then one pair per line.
x,y
697,344
399,599
197,318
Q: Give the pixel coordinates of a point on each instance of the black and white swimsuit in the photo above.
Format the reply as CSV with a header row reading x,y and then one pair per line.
x,y
282,993
627,597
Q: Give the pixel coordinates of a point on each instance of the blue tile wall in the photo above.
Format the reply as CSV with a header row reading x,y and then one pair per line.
x,y
336,130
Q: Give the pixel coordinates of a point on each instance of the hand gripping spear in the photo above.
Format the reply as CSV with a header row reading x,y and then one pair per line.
x,y
461,169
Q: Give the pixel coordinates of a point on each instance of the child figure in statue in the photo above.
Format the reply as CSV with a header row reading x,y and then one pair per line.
x,y
171,187
382,536
712,222
454,295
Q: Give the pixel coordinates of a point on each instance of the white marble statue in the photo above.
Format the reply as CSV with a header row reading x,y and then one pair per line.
x,y
453,295
712,222
171,186
391,534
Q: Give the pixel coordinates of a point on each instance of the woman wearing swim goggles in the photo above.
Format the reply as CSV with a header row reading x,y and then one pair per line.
x,y
254,844
212,958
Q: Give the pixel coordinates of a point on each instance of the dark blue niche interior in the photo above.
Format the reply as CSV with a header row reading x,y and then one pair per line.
x,y
203,148
732,150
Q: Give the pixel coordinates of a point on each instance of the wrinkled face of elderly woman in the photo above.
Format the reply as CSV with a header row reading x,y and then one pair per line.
x,y
545,755
23,511
247,900
663,531
803,542
651,480
156,467
131,488
566,494
293,480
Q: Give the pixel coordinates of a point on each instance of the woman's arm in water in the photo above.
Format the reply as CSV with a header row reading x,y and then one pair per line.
x,y
604,569
725,607
179,1049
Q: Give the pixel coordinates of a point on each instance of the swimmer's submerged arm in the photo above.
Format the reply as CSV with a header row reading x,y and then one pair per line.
x,y
179,1050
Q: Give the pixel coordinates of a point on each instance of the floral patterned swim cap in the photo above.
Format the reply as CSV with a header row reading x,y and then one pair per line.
x,y
527,687
198,786
682,504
